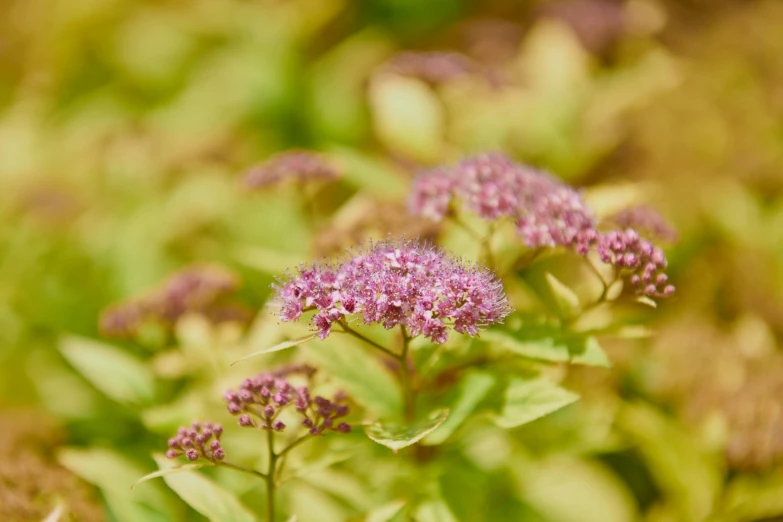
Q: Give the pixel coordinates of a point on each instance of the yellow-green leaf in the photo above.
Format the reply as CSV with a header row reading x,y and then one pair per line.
x,y
116,373
398,436
529,399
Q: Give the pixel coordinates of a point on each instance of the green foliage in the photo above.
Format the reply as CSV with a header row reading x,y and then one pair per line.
x,y
125,130
398,436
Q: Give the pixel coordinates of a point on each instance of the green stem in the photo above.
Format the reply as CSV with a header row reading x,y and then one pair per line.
x,y
372,343
242,469
294,444
486,248
270,477
410,405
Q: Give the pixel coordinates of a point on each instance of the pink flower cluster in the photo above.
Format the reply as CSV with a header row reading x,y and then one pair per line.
x,y
397,283
548,212
198,441
260,400
643,261
432,67
644,220
202,289
295,165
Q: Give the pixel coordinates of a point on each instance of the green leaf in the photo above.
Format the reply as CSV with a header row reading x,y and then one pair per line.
x,y
566,300
369,173
114,475
205,496
576,350
162,472
647,302
278,347
408,116
528,400
360,373
396,437
385,512
434,511
594,493
748,498
117,374
267,260
688,476
473,388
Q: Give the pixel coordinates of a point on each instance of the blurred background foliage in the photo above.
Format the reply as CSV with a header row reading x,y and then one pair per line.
x,y
125,128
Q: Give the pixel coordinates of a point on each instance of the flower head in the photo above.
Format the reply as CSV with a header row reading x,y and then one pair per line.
x,y
646,221
639,258
202,289
548,212
397,283
297,165
259,402
431,67
197,441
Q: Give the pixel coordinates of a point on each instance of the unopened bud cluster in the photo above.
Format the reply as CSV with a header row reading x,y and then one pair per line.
x,y
200,289
639,259
397,283
259,401
295,165
198,441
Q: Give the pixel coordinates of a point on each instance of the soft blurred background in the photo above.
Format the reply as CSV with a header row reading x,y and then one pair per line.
x,y
126,127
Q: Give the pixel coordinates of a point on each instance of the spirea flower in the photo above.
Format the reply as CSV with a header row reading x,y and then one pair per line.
x,y
202,289
638,258
259,402
198,441
431,67
646,221
397,283
548,212
558,217
295,165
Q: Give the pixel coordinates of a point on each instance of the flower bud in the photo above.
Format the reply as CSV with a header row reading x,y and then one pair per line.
x,y
215,444
344,427
269,411
192,455
278,425
172,454
233,408
245,421
219,454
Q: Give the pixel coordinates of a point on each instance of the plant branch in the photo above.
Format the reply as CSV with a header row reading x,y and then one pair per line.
x,y
348,330
242,469
270,477
407,389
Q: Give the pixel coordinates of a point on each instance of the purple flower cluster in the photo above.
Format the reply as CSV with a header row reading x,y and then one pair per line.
x,y
199,289
548,212
397,283
646,221
639,258
260,400
198,441
431,67
296,165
